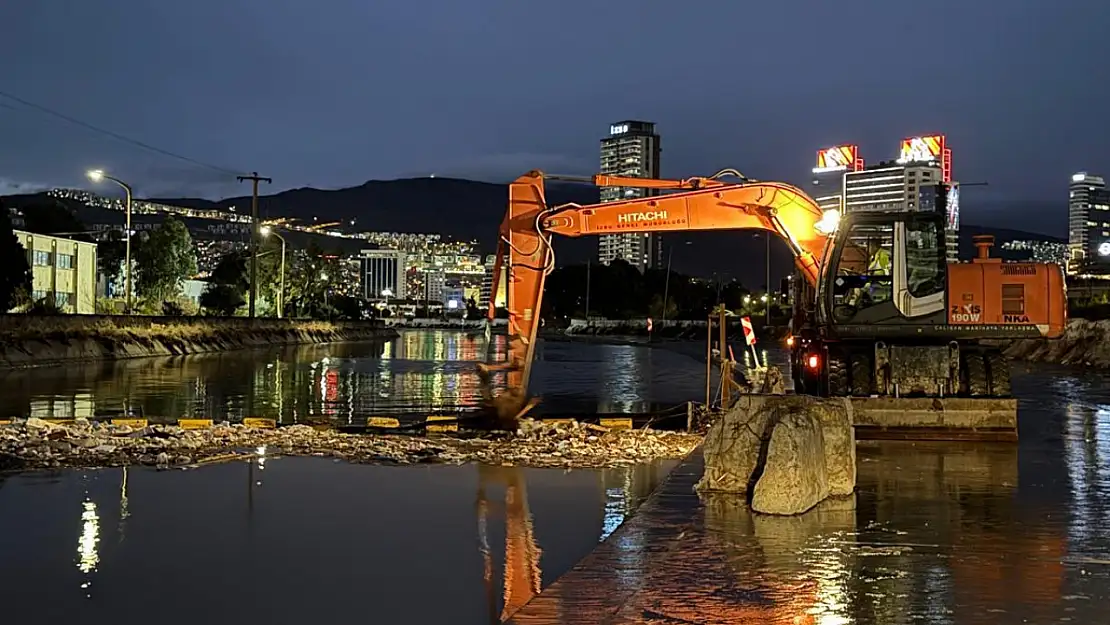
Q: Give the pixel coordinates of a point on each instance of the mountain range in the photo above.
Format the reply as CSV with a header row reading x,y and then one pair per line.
x,y
472,210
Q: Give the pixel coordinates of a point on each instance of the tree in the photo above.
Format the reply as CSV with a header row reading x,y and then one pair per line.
x,y
110,255
164,261
472,310
227,286
308,283
15,272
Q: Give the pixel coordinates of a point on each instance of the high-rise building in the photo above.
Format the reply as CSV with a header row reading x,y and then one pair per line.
x,y
828,174
434,284
892,187
631,150
1088,226
382,274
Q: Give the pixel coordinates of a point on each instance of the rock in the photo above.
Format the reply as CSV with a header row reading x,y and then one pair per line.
x,y
733,445
36,424
162,459
104,449
86,442
835,417
794,477
737,447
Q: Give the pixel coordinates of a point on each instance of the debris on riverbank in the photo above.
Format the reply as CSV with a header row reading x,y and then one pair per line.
x,y
38,444
1083,343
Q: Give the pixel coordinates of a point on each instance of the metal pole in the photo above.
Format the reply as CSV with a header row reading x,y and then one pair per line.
x,y
708,357
767,307
254,178
667,283
281,291
127,245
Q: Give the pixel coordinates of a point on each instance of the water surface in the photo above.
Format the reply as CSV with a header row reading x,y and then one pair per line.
x,y
299,540
421,372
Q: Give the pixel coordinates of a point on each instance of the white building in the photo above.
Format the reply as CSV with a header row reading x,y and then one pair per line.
x,y
434,284
382,274
62,270
892,187
487,283
1086,203
631,150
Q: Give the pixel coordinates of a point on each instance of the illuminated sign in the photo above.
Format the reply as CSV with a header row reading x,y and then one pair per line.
x,y
839,158
922,149
1080,177
1104,248
648,216
618,129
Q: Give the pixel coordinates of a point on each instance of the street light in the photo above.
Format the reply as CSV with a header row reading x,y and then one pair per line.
x,y
97,175
267,231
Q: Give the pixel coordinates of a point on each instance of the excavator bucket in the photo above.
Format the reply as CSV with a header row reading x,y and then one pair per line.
x,y
929,418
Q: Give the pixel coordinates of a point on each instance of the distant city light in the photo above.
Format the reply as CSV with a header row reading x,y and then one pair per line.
x,y
1080,177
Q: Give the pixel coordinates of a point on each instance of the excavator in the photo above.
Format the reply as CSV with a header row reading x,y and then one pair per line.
x,y
907,339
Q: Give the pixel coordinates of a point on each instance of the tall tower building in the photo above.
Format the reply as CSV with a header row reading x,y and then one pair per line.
x,y
631,150
1085,218
892,187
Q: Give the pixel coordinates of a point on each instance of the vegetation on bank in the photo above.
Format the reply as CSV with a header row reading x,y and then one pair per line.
x,y
14,328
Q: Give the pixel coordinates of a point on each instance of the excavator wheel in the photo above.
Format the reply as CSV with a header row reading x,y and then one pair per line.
x,y
999,369
838,374
862,375
976,372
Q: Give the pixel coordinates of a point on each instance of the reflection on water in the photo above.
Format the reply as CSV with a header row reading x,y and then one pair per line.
x,y
421,372
944,533
298,540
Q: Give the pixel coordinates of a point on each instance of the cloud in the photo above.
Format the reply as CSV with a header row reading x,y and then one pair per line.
x,y
19,187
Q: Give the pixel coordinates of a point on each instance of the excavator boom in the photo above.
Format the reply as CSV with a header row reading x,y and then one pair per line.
x,y
710,204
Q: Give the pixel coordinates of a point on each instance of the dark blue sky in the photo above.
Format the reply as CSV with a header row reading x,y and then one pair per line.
x,y
335,92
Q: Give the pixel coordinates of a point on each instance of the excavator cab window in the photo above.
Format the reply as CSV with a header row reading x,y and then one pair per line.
x,y
926,262
864,276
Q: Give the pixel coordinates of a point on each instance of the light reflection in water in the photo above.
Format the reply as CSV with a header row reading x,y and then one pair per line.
x,y
419,373
88,555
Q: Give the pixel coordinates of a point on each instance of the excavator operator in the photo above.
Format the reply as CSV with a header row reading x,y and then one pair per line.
x,y
503,411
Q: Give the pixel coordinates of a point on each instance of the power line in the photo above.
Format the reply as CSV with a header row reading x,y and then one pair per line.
x,y
116,135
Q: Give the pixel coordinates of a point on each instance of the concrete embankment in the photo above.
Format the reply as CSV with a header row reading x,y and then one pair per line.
x,y
29,341
1084,343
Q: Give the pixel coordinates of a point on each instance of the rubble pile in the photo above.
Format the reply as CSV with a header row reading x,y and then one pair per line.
x,y
34,444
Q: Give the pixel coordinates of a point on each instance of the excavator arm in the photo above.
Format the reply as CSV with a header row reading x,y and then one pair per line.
x,y
697,204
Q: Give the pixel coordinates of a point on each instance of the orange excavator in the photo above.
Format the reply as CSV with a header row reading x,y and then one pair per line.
x,y
879,313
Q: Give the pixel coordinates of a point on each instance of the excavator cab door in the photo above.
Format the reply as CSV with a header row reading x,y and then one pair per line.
x,y
886,268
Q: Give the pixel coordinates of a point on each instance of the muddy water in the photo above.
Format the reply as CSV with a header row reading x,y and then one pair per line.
x,y
299,540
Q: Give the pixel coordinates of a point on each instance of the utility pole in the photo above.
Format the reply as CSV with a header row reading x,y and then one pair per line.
x,y
255,179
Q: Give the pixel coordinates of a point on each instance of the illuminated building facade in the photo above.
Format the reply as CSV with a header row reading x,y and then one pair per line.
x,y
909,183
487,283
828,174
382,274
63,271
631,150
1088,223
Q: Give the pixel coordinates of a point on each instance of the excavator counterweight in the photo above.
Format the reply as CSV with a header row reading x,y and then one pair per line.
x,y
879,315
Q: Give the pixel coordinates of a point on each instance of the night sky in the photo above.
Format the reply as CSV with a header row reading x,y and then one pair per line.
x,y
335,92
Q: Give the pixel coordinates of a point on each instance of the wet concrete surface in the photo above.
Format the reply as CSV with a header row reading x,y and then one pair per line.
x,y
299,540
936,533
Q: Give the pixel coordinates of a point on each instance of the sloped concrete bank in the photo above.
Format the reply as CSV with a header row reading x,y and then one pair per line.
x,y
32,341
1084,343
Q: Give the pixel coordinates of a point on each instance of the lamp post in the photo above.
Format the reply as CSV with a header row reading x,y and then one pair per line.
x,y
267,231
97,175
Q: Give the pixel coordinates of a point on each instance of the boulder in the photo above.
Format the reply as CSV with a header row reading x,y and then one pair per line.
x,y
814,456
794,476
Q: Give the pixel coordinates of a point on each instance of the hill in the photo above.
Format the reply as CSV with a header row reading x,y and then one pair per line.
x,y
462,209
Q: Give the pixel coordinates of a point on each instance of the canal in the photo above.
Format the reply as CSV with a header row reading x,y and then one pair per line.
x,y
940,533
421,372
